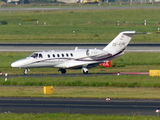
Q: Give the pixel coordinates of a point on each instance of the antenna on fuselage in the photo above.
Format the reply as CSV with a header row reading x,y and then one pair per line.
x,y
76,48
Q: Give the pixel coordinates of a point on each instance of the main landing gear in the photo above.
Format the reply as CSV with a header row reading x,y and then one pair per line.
x,y
26,71
63,71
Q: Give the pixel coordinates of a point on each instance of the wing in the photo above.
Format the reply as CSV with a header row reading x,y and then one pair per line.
x,y
78,64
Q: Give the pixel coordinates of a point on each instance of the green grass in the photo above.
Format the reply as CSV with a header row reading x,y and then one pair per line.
x,y
65,116
82,92
98,81
90,25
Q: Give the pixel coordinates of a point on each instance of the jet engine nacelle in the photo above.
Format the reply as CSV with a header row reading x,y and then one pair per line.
x,y
94,52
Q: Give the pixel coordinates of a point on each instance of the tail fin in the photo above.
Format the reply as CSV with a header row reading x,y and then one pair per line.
x,y
119,43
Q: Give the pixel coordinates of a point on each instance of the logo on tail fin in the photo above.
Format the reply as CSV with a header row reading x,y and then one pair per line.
x,y
122,37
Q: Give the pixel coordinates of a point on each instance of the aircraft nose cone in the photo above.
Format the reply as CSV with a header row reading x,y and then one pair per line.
x,y
14,64
18,63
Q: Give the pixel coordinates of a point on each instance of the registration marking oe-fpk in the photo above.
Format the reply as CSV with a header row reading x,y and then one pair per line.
x,y
119,44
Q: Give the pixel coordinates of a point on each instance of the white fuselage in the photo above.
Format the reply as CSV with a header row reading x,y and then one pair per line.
x,y
77,58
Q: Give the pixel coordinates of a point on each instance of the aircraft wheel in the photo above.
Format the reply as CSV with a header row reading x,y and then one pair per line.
x,y
63,71
85,72
26,71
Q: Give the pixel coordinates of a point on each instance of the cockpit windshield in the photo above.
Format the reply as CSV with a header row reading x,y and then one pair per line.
x,y
34,55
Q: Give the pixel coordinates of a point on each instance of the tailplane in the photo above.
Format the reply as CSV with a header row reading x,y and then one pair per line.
x,y
119,43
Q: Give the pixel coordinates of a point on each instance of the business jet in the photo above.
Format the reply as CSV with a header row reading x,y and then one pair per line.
x,y
77,58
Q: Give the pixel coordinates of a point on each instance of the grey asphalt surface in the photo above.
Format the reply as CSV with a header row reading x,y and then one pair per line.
x,y
30,75
71,46
57,75
79,106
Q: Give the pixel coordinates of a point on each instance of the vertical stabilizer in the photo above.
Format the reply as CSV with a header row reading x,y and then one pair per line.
x,y
119,43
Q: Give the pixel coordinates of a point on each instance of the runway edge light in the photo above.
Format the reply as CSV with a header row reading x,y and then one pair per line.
x,y
158,110
108,99
48,89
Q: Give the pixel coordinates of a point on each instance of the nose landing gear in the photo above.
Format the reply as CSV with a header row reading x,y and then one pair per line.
x,y
85,70
26,71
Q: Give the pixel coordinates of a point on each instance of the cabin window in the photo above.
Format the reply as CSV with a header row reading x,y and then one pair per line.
x,y
67,54
53,55
48,56
62,55
57,55
40,56
71,55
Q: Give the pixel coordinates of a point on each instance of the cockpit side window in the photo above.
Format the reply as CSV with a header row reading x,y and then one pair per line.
x,y
48,56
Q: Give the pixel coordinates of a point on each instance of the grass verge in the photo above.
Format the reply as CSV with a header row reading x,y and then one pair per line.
x,y
81,92
65,116
90,81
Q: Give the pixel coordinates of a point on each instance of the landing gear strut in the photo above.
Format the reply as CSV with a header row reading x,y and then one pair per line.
x,y
26,71
63,71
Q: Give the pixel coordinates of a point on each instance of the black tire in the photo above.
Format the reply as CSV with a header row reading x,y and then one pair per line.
x,y
63,71
85,72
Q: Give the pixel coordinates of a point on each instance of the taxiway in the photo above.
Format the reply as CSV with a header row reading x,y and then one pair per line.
x,y
79,106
